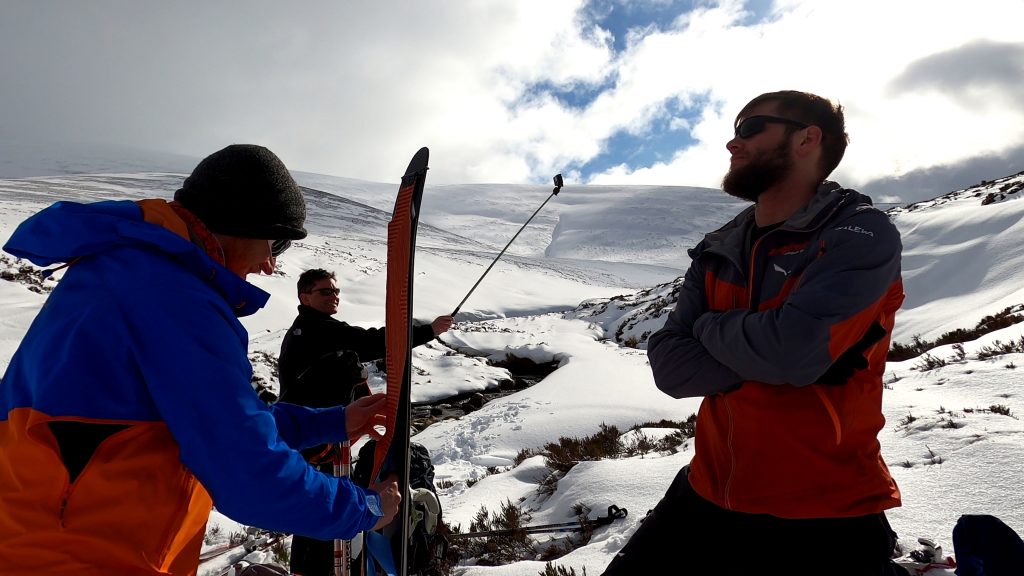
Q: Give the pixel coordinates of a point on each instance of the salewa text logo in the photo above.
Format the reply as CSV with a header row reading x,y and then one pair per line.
x,y
857,229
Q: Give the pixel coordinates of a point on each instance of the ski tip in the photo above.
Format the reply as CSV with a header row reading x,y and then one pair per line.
x,y
419,162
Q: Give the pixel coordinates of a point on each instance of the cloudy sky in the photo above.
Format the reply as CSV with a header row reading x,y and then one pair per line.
x,y
603,91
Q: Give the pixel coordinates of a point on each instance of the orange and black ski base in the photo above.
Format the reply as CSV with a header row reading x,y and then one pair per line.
x,y
392,451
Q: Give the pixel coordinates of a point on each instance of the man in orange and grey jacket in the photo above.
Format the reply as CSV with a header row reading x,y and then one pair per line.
x,y
782,324
127,409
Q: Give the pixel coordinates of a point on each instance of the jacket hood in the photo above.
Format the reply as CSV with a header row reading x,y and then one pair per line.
x,y
67,231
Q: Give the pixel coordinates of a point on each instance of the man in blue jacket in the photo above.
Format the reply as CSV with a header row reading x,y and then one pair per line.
x,y
127,410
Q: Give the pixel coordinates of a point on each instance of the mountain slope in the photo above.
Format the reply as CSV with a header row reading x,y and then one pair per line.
x,y
961,251
953,434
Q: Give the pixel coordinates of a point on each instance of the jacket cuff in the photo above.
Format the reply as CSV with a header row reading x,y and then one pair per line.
x,y
422,334
328,425
373,506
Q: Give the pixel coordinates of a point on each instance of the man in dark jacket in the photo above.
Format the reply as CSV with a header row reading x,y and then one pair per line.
x,y
312,355
320,366
782,325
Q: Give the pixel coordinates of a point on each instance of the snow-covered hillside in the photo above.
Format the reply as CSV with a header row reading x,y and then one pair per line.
x,y
581,290
962,257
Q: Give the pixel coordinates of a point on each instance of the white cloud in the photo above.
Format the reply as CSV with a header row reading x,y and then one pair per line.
x,y
850,52
353,88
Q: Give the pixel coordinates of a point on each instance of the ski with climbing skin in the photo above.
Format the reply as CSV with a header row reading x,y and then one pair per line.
x,y
393,447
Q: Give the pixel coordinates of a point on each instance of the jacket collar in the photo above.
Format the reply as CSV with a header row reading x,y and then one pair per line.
x,y
313,313
829,197
244,298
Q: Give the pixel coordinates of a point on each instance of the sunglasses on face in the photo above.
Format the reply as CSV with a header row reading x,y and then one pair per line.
x,y
327,291
754,125
277,247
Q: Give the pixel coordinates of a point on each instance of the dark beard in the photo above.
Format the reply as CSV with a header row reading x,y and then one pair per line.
x,y
748,182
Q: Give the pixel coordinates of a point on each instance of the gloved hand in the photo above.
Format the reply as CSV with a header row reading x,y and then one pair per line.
x,y
853,359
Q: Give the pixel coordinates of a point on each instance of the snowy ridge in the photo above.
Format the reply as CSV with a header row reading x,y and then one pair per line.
x,y
645,224
630,319
962,257
962,247
954,433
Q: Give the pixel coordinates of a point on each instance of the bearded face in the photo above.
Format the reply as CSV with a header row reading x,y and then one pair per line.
x,y
761,171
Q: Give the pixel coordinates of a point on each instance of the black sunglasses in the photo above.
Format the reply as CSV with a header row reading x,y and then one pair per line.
x,y
754,125
277,247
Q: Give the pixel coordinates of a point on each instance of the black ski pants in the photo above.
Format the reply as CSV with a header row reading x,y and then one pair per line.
x,y
309,556
686,534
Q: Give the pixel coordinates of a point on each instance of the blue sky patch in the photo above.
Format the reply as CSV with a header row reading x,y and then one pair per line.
x,y
666,135
758,11
575,96
621,16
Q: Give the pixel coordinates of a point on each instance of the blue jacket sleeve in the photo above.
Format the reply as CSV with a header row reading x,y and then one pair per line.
x,y
791,344
682,366
301,427
195,366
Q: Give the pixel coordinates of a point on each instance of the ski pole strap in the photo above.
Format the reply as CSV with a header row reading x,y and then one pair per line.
x,y
329,454
379,550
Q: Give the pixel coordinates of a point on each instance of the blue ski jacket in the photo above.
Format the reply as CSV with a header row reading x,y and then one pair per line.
x,y
141,339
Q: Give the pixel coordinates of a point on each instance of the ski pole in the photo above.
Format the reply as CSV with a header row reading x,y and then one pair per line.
x,y
614,513
573,525
558,186
342,548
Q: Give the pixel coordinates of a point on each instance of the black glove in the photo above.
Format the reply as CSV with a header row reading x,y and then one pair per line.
x,y
853,359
